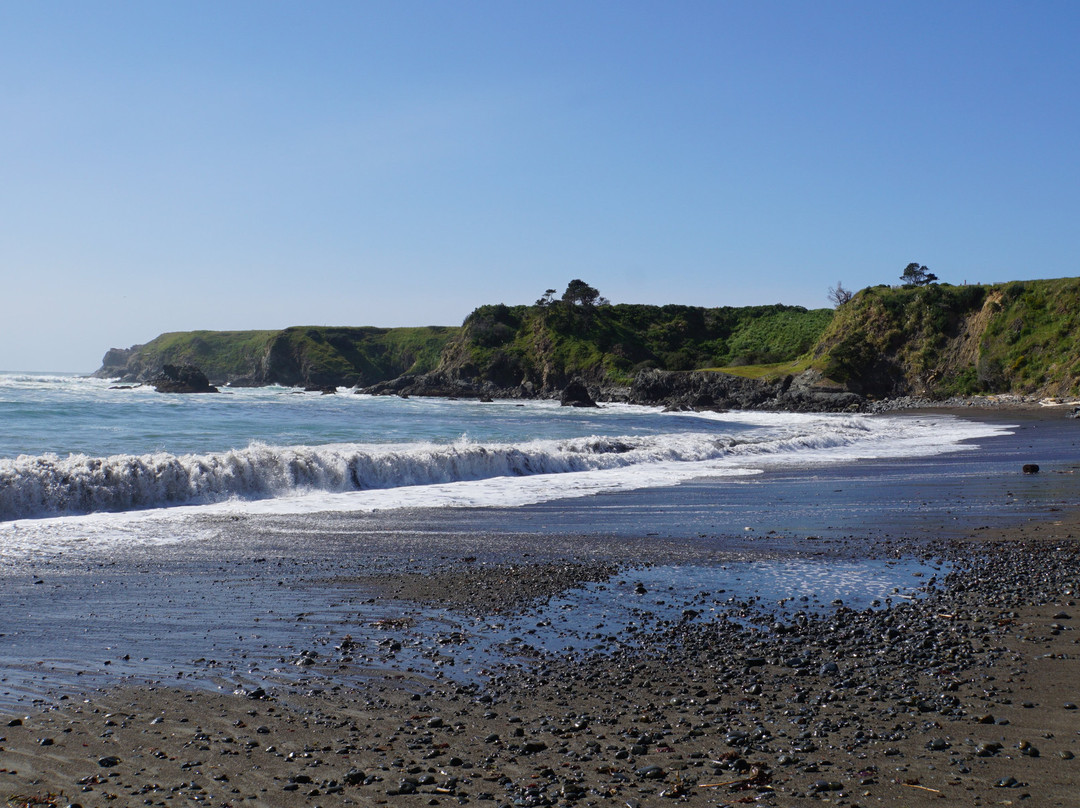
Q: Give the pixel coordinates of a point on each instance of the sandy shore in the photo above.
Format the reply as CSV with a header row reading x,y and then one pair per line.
x,y
965,697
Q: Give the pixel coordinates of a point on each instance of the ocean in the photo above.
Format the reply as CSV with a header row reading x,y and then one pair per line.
x,y
205,538
77,453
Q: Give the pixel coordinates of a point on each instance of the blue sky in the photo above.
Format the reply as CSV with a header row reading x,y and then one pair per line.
x,y
233,165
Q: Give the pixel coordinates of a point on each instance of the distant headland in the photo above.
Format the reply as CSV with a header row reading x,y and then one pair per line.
x,y
924,339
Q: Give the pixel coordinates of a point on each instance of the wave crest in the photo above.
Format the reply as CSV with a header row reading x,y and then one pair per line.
x,y
49,485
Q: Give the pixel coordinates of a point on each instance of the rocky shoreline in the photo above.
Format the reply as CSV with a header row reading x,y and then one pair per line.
x,y
967,694
675,390
699,390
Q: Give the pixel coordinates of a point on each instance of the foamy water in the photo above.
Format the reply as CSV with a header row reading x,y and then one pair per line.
x,y
364,454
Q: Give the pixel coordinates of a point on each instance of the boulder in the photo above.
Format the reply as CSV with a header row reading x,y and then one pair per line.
x,y
182,379
576,394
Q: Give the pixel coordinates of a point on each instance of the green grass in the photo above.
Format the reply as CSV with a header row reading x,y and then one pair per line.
x,y
1019,337
220,354
776,370
303,354
610,344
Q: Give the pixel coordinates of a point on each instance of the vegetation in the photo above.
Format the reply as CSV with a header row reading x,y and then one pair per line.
x,y
838,295
940,340
219,354
354,356
916,275
921,338
777,370
302,355
581,334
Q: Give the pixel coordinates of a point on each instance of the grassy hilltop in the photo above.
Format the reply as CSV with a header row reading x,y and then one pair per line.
x,y
941,340
547,345
933,339
297,356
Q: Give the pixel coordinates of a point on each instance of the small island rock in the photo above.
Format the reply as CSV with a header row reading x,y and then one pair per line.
x,y
576,394
182,379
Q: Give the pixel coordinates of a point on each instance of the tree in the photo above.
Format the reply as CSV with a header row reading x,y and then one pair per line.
x,y
580,293
547,298
916,275
838,295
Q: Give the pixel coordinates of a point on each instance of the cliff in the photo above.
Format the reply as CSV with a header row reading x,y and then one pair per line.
x,y
933,341
537,350
299,356
937,341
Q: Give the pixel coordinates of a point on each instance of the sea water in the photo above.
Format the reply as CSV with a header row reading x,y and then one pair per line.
x,y
81,458
195,532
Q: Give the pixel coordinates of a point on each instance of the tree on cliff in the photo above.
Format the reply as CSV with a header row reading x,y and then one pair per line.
x,y
838,295
916,275
546,299
580,293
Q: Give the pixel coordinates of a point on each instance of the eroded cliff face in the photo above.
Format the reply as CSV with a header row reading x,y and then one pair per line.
x,y
934,341
301,356
1021,337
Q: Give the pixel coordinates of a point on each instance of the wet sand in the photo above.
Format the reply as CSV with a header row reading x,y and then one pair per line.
x,y
963,695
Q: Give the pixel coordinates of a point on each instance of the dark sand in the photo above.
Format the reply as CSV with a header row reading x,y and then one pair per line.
x,y
964,696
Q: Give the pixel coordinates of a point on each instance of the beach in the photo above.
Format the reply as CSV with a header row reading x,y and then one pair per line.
x,y
501,657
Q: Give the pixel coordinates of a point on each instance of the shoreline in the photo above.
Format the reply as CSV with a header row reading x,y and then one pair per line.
x,y
950,695
703,697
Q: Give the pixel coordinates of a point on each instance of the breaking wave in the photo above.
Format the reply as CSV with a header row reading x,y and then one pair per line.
x,y
50,485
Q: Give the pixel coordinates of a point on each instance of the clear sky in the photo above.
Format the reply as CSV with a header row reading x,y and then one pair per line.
x,y
171,166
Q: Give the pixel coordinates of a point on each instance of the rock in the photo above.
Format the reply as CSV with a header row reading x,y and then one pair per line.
x,y
108,761
182,379
688,390
115,362
1030,468
576,394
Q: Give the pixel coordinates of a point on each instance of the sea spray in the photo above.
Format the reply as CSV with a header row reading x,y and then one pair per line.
x,y
50,485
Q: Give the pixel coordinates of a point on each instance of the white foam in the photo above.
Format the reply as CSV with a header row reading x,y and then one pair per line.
x,y
47,485
296,480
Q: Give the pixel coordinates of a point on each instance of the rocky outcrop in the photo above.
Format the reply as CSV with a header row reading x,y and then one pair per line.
x,y
678,390
576,394
807,392
114,364
182,379
445,385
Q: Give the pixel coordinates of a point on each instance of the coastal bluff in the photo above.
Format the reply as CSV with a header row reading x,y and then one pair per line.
x,y
300,356
933,342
